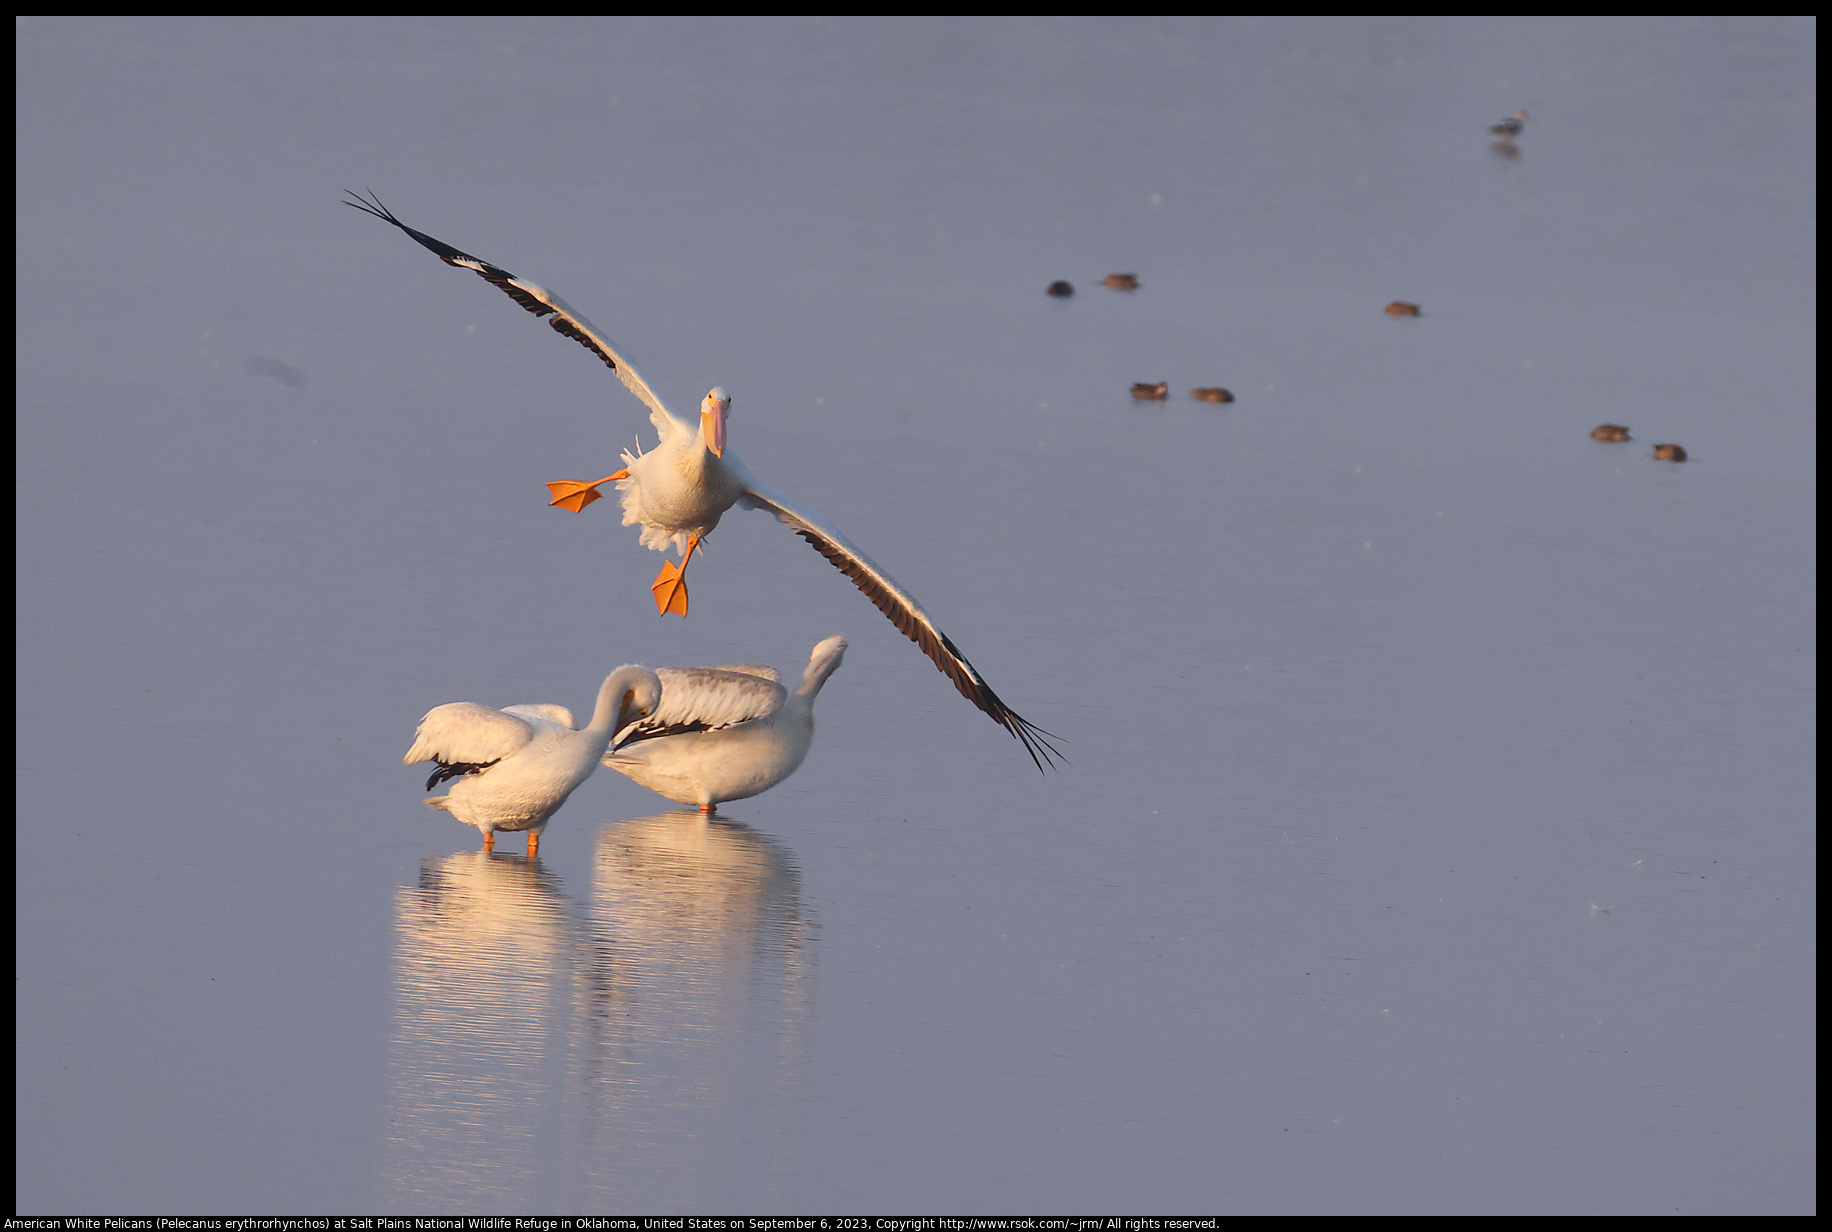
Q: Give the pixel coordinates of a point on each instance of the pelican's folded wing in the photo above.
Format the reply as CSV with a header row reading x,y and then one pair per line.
x,y
904,612
465,738
542,303
545,712
697,699
748,669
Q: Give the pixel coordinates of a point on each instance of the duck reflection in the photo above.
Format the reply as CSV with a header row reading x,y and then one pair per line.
x,y
550,1052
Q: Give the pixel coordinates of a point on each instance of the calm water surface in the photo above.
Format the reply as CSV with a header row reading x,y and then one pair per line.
x,y
1437,835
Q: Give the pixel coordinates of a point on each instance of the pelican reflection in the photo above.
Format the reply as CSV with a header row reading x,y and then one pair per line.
x,y
628,1049
698,1057
489,961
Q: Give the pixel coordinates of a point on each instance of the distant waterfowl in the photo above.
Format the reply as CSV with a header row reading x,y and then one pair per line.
x,y
1400,308
1211,395
515,767
678,491
1669,453
725,733
1609,432
1121,282
1151,393
1509,128
1061,290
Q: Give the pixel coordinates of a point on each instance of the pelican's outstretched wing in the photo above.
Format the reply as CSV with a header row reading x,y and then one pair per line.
x,y
907,614
465,738
542,303
697,699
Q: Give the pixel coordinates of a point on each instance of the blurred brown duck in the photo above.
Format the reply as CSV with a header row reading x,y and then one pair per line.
x,y
1151,393
1510,128
1609,432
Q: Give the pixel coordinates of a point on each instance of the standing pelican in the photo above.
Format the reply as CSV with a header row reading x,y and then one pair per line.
x,y
515,767
678,491
725,733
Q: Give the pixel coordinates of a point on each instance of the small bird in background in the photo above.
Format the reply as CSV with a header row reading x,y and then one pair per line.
x,y
1509,128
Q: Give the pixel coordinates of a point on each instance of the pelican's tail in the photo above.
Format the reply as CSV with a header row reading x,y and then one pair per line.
x,y
439,802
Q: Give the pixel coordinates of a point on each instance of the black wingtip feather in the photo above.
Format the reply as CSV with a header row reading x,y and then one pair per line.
x,y
444,251
497,276
942,652
456,770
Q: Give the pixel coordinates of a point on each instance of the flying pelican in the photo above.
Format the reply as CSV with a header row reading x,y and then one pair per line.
x,y
678,491
725,733
515,767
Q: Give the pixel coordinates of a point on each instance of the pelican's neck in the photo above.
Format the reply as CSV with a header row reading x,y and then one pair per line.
x,y
624,692
821,664
697,461
723,477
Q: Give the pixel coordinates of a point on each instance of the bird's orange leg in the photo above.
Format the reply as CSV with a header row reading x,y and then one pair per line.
x,y
707,810
489,840
670,585
573,495
534,844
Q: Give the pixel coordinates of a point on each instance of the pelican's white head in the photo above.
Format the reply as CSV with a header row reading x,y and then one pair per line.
x,y
712,419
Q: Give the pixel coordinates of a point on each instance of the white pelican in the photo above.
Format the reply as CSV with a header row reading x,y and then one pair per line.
x,y
678,491
516,766
725,733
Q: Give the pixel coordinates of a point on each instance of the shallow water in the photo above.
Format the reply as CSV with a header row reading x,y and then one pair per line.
x,y
1437,834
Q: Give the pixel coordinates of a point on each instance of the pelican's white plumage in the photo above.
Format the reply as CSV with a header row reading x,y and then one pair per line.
x,y
515,767
725,733
678,491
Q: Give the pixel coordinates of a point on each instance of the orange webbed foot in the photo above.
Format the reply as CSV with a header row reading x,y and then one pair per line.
x,y
670,585
670,589
573,495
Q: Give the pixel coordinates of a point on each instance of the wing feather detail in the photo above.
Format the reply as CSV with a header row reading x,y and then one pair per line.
x,y
901,607
566,319
697,699
748,669
545,712
465,738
